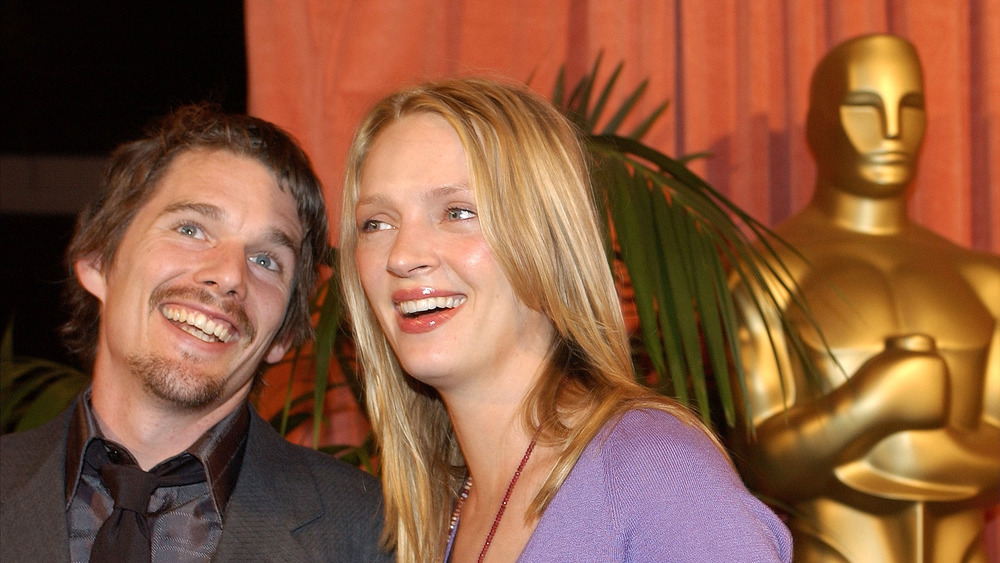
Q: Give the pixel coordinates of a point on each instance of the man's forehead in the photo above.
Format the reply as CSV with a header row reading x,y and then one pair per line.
x,y
199,180
195,169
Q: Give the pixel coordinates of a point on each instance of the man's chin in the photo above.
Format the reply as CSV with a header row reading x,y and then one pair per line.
x,y
180,386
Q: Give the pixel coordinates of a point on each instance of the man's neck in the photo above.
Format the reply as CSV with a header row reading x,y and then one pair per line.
x,y
877,216
152,430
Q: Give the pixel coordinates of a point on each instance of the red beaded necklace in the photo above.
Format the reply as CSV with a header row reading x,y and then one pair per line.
x,y
503,505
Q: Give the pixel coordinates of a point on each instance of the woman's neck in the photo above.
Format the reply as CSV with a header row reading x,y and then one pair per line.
x,y
486,412
492,437
506,468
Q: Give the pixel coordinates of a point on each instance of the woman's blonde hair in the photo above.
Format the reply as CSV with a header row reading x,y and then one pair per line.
x,y
530,179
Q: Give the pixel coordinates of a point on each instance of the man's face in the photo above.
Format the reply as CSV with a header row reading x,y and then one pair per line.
x,y
874,119
199,284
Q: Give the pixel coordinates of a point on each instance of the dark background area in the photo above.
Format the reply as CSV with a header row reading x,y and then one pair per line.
x,y
78,78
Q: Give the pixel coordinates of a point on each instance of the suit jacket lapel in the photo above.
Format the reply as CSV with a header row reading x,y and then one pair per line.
x,y
274,497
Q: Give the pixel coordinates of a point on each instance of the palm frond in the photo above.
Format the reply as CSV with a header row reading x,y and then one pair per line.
x,y
681,241
33,390
332,343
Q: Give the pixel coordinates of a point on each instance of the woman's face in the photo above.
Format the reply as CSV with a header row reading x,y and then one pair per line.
x,y
441,298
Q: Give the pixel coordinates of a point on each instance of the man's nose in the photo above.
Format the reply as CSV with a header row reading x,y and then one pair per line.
x,y
224,269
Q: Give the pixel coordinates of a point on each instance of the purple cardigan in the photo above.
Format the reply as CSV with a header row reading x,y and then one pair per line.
x,y
651,488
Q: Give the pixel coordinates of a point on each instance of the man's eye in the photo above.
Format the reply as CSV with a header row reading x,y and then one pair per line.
x,y
373,225
264,261
459,214
190,230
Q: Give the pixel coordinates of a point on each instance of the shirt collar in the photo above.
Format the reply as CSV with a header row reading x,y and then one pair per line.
x,y
220,450
82,430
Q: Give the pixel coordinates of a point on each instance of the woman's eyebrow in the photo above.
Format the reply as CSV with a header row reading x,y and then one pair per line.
x,y
447,190
431,194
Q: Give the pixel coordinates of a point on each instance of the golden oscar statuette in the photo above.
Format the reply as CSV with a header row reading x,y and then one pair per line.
x,y
893,453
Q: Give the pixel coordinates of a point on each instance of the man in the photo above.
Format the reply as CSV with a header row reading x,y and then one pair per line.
x,y
194,270
893,452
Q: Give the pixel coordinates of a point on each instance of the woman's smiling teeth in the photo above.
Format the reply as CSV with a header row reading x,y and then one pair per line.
x,y
430,303
198,324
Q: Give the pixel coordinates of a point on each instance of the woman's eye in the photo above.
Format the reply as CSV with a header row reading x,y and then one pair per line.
x,y
264,261
373,225
459,214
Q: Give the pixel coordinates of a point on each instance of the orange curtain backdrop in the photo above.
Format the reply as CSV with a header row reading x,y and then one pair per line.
x,y
736,73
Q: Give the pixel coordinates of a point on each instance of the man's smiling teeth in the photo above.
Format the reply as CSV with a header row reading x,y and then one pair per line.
x,y
198,325
429,303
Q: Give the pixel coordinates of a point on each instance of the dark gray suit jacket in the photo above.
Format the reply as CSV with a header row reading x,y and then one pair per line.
x,y
290,503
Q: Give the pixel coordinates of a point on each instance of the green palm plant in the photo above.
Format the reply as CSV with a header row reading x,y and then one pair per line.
x,y
681,242
332,343
33,390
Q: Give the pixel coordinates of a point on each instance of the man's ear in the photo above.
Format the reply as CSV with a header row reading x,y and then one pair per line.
x,y
278,350
90,274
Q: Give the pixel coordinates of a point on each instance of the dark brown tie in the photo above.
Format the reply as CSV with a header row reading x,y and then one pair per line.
x,y
125,535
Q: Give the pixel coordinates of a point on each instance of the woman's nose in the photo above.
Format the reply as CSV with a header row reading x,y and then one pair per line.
x,y
412,251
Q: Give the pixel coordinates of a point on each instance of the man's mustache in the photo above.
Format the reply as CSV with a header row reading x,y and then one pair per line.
x,y
233,309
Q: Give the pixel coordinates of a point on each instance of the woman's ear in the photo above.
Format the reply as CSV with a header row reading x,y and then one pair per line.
x,y
91,276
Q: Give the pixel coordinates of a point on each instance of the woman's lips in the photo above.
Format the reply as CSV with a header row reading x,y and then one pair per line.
x,y
424,312
424,322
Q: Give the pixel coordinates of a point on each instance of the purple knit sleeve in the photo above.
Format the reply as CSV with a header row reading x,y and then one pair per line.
x,y
678,499
651,488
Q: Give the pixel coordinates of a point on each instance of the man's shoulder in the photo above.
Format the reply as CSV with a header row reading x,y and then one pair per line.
x,y
329,469
24,452
284,460
331,506
32,502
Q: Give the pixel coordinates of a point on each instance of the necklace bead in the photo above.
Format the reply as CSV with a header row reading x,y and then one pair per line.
x,y
464,494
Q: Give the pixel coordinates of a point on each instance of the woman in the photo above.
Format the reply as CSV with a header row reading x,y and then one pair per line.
x,y
496,362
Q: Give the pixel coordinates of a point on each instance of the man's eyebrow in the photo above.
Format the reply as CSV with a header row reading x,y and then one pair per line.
x,y
274,236
206,209
281,238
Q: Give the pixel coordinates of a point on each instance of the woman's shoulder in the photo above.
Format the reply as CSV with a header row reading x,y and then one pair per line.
x,y
658,438
669,486
648,420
